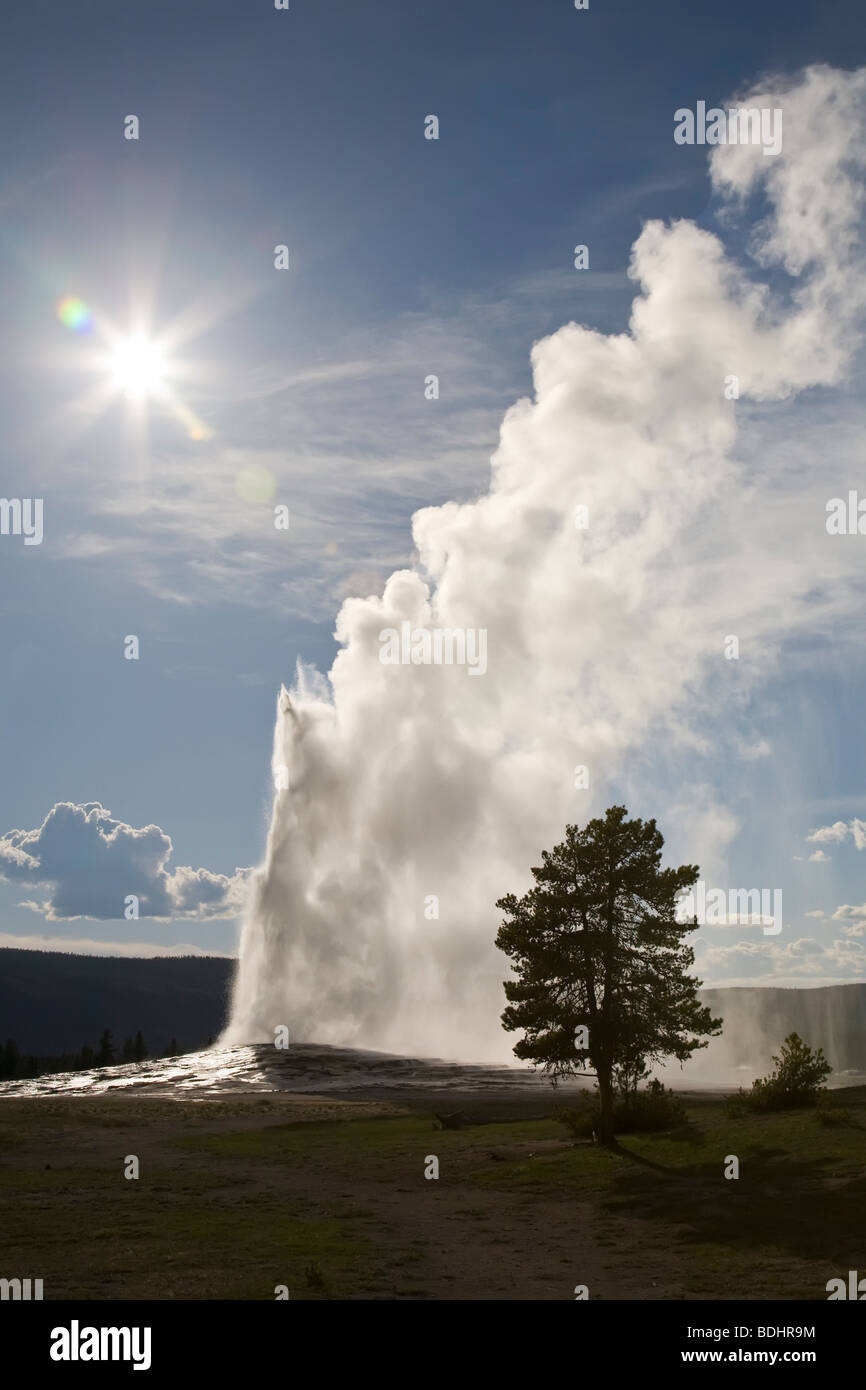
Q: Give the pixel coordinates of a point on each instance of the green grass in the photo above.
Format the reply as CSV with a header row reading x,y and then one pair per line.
x,y
172,1237
332,1209
308,1142
794,1217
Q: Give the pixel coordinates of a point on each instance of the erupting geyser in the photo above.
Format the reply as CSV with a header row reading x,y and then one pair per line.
x,y
619,535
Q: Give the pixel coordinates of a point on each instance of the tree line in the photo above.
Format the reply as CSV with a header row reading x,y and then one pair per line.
x,y
16,1065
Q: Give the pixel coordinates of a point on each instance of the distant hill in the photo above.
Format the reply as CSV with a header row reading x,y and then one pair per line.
x,y
52,1002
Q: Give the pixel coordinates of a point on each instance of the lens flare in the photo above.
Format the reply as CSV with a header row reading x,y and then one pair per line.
x,y
75,314
255,484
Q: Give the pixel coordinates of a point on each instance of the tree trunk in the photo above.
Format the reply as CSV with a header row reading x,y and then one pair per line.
x,y
605,1095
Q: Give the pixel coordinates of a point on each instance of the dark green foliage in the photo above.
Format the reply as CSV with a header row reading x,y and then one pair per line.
x,y
10,1059
797,1081
51,1000
628,1076
596,944
649,1111
105,1055
17,1067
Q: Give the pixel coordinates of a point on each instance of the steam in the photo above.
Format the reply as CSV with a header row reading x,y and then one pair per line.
x,y
830,1018
410,780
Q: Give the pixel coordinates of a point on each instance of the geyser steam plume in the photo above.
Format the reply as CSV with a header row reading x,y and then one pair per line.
x,y
406,781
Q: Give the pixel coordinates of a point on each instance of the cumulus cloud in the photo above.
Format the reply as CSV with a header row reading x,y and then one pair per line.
x,y
91,863
604,640
829,834
847,912
839,831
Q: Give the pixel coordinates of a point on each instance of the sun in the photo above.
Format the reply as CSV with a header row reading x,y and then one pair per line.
x,y
141,365
138,367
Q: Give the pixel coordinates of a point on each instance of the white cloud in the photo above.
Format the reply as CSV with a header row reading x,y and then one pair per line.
x,y
847,912
828,834
92,863
838,832
773,962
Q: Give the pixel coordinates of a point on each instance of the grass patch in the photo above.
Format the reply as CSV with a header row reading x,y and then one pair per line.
x,y
228,1208
93,1237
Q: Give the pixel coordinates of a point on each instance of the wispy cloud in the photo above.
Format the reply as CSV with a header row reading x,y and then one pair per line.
x,y
782,964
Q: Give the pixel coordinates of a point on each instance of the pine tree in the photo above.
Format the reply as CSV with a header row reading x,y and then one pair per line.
x,y
596,945
798,1079
139,1047
9,1060
105,1055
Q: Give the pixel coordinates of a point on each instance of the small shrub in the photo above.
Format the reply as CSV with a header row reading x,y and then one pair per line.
x,y
654,1108
738,1105
639,1112
797,1081
581,1119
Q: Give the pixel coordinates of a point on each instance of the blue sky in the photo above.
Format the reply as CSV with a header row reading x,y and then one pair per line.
x,y
408,257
